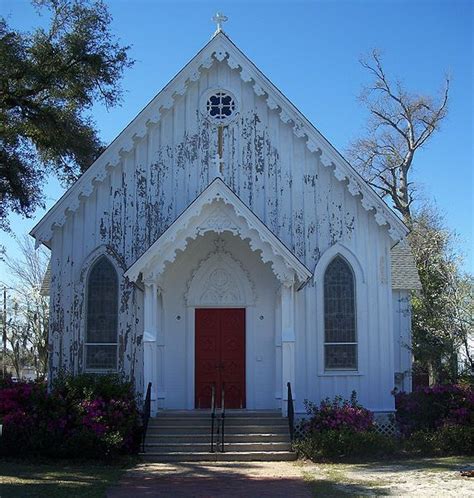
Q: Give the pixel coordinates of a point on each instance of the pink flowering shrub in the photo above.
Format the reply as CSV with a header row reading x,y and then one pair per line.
x,y
90,416
433,421
341,428
432,408
338,414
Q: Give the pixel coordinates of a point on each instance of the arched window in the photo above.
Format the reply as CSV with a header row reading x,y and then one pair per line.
x,y
102,319
340,338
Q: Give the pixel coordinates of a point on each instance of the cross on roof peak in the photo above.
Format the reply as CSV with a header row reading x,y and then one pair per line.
x,y
219,18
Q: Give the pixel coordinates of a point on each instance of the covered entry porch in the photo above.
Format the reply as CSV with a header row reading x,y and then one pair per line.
x,y
219,308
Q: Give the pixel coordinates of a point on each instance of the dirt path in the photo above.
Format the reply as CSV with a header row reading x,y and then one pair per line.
x,y
423,477
233,479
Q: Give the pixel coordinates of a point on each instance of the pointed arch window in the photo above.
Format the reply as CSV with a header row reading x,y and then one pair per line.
x,y
102,317
340,335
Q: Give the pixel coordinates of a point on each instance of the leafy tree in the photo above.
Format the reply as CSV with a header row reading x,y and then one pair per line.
x,y
50,78
401,123
443,319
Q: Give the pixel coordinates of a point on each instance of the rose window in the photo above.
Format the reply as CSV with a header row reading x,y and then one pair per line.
x,y
220,106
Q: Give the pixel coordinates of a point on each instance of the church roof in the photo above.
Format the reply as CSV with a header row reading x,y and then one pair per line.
x,y
219,49
404,272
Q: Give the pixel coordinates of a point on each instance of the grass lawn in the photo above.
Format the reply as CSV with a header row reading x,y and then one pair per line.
x,y
58,478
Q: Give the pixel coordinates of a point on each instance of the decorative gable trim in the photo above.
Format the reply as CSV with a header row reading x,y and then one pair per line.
x,y
315,141
220,280
217,209
123,144
220,49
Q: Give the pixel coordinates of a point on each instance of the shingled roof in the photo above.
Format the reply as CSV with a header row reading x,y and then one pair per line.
x,y
404,271
45,285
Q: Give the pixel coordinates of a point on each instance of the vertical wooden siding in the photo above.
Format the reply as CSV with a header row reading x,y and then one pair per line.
x,y
273,172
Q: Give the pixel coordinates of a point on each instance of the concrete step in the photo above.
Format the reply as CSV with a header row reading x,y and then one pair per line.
x,y
207,413
205,429
249,436
229,438
231,421
240,456
204,447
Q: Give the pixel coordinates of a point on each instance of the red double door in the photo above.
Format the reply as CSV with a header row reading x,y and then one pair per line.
x,y
220,356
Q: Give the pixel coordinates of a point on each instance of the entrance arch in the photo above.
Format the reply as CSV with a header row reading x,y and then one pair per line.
x,y
218,211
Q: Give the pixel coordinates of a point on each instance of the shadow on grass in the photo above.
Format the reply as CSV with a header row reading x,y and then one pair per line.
x,y
57,479
327,487
336,483
200,468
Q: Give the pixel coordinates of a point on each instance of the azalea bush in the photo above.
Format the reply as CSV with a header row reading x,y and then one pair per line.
x,y
437,420
340,428
344,444
431,408
338,414
82,416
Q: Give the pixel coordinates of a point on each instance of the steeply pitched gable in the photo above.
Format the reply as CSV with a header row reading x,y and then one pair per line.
x,y
219,49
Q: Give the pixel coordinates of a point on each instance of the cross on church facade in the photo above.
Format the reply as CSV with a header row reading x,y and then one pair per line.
x,y
219,19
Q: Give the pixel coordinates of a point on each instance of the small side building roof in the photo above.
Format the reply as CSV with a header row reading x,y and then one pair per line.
x,y
45,285
404,271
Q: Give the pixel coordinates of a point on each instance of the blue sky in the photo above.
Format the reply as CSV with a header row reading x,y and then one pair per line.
x,y
310,50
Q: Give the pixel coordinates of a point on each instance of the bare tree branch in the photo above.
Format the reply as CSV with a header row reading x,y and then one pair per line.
x,y
401,123
28,310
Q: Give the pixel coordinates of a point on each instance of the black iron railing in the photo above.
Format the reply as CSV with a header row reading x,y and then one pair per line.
x,y
217,421
146,413
222,416
291,412
213,414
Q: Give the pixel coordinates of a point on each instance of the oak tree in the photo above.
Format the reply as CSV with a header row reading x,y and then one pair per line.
x,y
49,81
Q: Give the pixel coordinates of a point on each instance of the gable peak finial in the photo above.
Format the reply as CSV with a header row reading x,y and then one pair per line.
x,y
219,18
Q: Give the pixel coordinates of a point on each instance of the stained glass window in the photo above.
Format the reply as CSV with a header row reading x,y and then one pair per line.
x,y
340,340
102,320
220,106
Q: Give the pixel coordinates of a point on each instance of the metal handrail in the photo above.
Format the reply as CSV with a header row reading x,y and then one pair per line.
x,y
222,416
146,413
291,412
213,414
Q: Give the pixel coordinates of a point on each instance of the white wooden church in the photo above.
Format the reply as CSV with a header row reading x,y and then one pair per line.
x,y
222,240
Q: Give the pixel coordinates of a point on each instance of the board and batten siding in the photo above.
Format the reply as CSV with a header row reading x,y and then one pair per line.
x,y
279,179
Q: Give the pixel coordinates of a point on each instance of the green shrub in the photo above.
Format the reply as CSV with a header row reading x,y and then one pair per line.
x,y
448,440
90,386
341,428
336,444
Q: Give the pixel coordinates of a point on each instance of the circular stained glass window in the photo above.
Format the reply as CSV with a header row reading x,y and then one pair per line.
x,y
220,106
